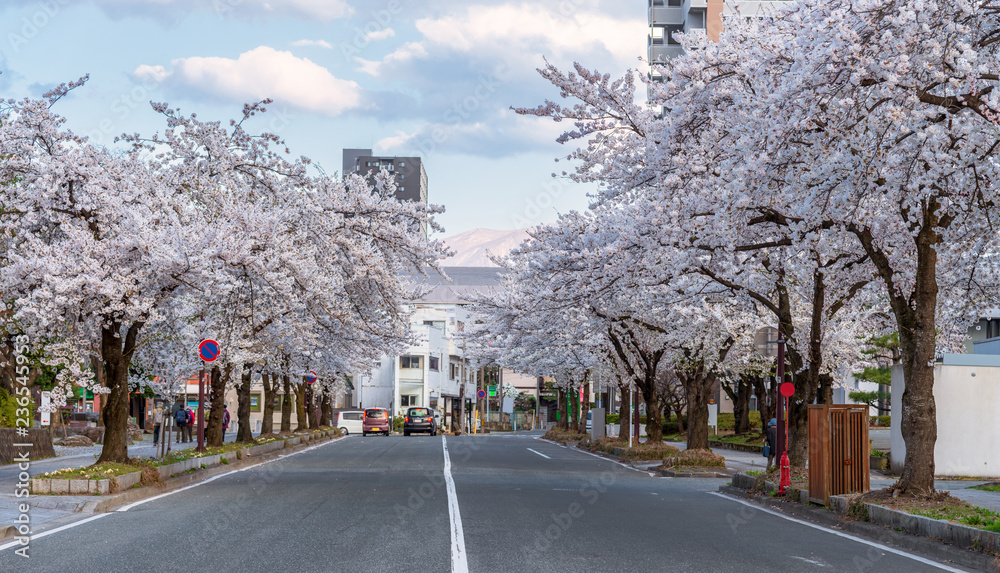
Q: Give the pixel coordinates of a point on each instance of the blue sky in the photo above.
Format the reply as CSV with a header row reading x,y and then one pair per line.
x,y
433,78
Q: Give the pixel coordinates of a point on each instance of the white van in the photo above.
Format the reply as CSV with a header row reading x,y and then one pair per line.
x,y
349,421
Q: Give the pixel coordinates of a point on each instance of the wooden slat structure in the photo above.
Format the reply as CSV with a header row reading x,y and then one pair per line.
x,y
838,451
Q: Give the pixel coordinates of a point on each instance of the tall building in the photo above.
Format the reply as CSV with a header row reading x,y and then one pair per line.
x,y
411,179
666,17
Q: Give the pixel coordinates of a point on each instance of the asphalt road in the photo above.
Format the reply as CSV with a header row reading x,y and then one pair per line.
x,y
508,503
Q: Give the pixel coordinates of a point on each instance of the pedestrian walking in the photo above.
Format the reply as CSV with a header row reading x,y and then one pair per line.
x,y
225,418
183,427
157,424
772,441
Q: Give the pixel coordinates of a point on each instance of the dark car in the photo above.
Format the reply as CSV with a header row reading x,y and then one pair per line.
x,y
376,421
419,420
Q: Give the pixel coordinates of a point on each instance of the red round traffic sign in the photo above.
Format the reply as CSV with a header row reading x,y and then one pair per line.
x,y
482,394
311,377
787,389
208,350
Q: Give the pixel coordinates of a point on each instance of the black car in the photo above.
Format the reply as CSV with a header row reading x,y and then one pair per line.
x,y
419,420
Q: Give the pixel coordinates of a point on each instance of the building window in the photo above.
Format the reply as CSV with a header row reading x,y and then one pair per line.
x,y
409,400
402,164
671,32
435,363
401,176
410,362
453,370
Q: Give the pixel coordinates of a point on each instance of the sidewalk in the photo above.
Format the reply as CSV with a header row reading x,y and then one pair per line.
x,y
748,461
51,511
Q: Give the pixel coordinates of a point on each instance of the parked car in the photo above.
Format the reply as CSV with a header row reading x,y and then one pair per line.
x,y
349,421
376,421
419,420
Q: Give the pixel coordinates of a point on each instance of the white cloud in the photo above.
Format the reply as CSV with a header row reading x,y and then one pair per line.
x,y
521,33
405,53
260,73
380,34
172,10
312,43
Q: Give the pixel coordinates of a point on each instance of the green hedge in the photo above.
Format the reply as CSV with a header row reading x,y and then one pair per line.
x,y
880,421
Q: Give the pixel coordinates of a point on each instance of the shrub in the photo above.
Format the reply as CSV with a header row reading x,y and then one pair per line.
x,y
611,418
650,451
696,459
880,421
560,435
8,409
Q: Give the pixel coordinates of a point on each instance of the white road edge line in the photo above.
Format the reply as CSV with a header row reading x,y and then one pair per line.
x,y
459,562
56,530
540,453
841,534
162,495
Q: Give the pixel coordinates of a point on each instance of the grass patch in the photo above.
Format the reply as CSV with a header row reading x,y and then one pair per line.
x,y
878,453
559,435
798,475
753,438
695,459
938,505
104,470
181,455
649,452
754,473
607,445
987,487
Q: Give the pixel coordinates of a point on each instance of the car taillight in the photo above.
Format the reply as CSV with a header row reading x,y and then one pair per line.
x,y
406,419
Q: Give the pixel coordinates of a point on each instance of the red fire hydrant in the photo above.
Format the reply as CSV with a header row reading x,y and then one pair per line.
x,y
786,474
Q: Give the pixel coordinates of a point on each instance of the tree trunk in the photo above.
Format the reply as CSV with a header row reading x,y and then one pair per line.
x,y
117,355
654,423
625,412
915,323
741,404
564,409
313,405
270,383
764,406
300,407
243,431
697,387
327,411
215,431
286,405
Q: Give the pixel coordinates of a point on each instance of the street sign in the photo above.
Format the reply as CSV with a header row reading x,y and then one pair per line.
x,y
45,409
765,340
311,377
787,389
493,391
481,394
208,350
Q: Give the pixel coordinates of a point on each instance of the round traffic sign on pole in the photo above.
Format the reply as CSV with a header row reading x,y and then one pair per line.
x,y
787,389
311,377
208,350
482,394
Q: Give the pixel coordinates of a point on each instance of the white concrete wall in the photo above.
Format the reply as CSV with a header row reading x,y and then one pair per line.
x,y
966,396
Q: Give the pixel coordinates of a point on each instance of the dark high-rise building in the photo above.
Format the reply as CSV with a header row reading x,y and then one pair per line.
x,y
411,179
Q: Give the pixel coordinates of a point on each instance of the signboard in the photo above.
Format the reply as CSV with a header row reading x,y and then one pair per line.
x,y
508,406
787,389
44,409
713,416
765,340
208,350
311,377
493,391
481,394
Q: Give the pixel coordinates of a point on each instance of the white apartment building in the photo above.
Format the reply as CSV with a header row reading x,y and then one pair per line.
x,y
433,371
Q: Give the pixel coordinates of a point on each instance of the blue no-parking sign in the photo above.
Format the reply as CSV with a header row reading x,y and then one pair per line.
x,y
208,350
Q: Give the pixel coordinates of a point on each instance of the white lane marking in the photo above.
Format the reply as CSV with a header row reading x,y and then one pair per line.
x,y
540,453
459,563
56,530
213,478
841,534
138,503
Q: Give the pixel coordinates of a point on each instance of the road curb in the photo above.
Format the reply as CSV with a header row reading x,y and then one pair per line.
x,y
923,546
109,503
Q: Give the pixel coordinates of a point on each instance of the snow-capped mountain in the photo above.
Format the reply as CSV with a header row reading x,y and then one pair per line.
x,y
471,247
